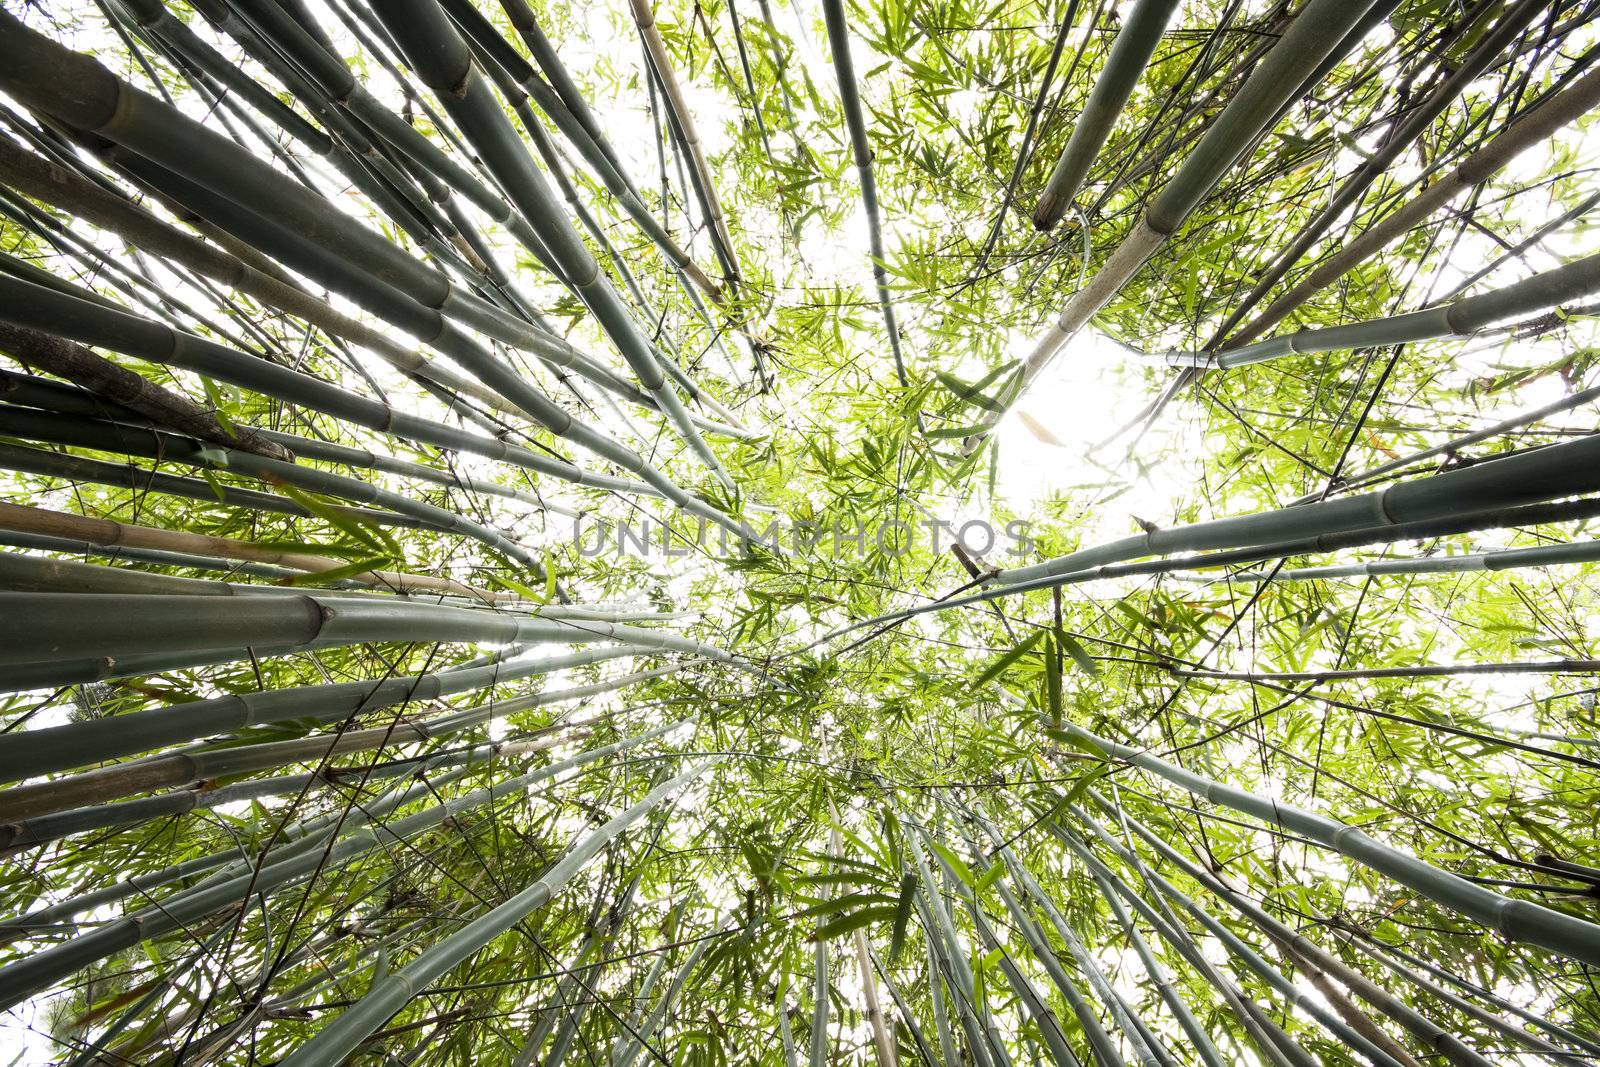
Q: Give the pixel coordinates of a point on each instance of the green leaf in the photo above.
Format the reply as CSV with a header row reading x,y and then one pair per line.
x,y
996,668
844,924
337,574
902,916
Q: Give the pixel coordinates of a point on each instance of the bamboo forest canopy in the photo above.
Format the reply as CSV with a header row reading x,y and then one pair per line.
x,y
799,531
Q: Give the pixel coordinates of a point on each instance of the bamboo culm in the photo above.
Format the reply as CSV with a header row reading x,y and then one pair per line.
x,y
27,833
1136,42
44,627
444,63
154,444
1418,120
40,970
27,391
1319,31
861,151
120,331
1518,920
1540,123
77,90
25,753
1326,1017
1459,318
1501,559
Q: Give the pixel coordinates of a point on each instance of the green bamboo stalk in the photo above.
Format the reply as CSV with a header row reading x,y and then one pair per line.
x,y
1459,318
37,574
1493,560
821,984
1434,670
861,149
619,1052
444,63
56,185
1505,1026
100,376
1538,124
45,627
25,833
1025,881
34,68
205,763
40,970
1395,510
683,120
941,933
936,987
332,78
1090,969
1136,42
1276,1046
294,839
1418,120
79,469
165,559
642,1034
152,443
69,316
47,395
46,750
568,109
1518,920
907,1016
1319,32
598,943
1044,1018
37,70
112,437
1432,1036
1543,475
1329,1020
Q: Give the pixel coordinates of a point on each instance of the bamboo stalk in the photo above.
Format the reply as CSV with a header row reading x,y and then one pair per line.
x,y
41,969
46,750
110,533
203,764
947,947
574,119
1424,1030
1318,32
1356,1038
1086,566
1431,670
55,185
682,118
1493,560
68,315
1518,920
1136,42
1459,318
1533,1042
1273,1043
1548,473
861,150
443,62
1417,122
1538,124
1028,885
53,396
118,384
34,68
45,627
26,833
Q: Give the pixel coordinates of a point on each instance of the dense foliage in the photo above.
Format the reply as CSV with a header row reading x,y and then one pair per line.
x,y
402,738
